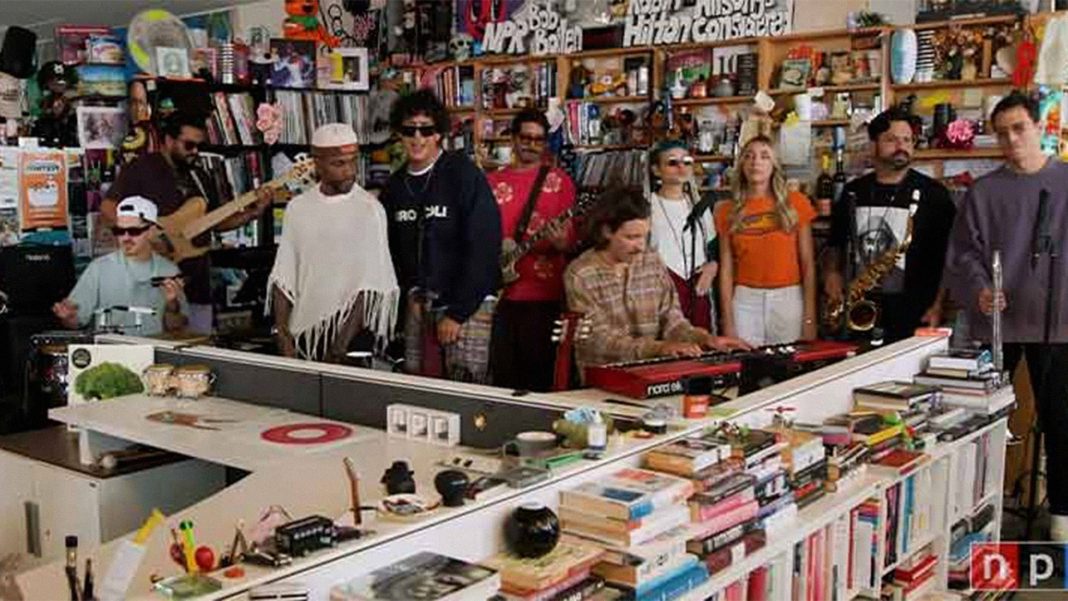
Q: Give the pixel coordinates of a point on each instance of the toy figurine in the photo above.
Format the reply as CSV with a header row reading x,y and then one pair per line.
x,y
577,83
55,127
302,23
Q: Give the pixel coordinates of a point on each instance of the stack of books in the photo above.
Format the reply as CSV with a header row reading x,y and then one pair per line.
x,y
912,580
893,396
845,464
432,576
880,434
564,573
640,519
968,379
805,461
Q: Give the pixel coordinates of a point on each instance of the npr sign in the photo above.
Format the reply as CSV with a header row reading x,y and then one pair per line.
x,y
1013,566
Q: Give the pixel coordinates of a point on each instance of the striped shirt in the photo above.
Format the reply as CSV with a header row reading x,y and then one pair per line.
x,y
630,312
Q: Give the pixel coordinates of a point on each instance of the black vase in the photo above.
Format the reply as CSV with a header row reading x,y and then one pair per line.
x,y
398,479
451,485
532,530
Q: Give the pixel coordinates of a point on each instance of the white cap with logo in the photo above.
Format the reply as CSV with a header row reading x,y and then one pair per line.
x,y
138,206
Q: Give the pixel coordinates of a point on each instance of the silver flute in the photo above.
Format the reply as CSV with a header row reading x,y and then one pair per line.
x,y
995,316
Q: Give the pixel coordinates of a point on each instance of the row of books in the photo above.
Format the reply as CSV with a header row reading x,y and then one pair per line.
x,y
233,120
304,111
454,86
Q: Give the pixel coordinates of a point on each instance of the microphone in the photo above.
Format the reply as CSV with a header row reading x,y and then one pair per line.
x,y
1040,236
699,207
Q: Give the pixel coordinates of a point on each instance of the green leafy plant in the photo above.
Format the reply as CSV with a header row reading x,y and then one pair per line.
x,y
107,380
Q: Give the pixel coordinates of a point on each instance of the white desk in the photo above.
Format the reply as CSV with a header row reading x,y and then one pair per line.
x,y
234,443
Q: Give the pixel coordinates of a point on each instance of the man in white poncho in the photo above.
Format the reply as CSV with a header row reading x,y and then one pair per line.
x,y
333,276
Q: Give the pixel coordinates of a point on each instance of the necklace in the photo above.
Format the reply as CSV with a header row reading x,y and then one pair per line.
x,y
675,233
425,187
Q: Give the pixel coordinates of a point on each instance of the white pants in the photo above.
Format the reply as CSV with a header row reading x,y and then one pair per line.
x,y
768,315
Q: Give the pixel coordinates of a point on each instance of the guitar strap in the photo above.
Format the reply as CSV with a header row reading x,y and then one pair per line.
x,y
528,210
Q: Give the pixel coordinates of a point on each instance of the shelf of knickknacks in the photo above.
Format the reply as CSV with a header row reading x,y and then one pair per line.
x,y
712,100
955,83
612,99
856,87
934,154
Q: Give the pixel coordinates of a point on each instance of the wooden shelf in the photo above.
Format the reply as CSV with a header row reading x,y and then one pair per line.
x,y
948,154
855,87
461,109
712,158
942,84
615,99
711,100
609,146
507,111
967,22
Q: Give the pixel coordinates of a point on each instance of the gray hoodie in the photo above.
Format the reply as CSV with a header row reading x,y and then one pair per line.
x,y
999,213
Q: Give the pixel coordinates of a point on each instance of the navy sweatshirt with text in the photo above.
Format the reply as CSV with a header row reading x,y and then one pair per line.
x,y
461,246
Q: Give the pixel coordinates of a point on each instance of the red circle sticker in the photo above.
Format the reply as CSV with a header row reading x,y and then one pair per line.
x,y
310,433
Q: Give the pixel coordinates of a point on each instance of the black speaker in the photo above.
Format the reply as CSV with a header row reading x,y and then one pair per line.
x,y
18,52
35,277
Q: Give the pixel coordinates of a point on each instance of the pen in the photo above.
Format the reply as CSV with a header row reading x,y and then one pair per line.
x,y
190,546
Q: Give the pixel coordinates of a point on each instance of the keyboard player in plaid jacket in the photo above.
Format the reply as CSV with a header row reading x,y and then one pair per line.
x,y
626,294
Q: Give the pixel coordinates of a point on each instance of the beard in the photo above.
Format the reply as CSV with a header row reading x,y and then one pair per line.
x,y
899,160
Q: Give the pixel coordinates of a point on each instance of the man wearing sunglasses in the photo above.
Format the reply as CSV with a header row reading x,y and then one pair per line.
x,y
133,276
169,178
530,194
445,240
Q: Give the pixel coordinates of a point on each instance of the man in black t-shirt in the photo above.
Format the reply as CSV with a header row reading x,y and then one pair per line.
x,y
169,178
870,220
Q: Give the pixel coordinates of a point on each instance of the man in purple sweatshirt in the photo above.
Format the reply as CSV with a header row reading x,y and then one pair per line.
x,y
1001,212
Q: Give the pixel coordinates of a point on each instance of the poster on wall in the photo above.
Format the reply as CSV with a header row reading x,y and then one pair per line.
x,y
101,126
659,22
537,29
42,190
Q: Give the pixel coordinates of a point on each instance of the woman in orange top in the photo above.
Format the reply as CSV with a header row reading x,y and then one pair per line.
x,y
767,273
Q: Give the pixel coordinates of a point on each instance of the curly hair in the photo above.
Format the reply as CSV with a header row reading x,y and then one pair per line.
x,y
740,189
613,208
173,123
529,116
420,102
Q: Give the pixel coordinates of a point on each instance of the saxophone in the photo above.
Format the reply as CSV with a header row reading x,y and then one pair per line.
x,y
862,313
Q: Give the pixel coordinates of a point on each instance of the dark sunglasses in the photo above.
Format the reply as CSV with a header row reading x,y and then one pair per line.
x,y
190,145
673,162
129,231
409,131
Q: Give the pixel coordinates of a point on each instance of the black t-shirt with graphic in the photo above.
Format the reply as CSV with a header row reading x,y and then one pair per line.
x,y
871,218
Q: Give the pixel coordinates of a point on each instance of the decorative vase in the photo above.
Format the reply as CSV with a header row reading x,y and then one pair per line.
x,y
451,485
903,49
532,530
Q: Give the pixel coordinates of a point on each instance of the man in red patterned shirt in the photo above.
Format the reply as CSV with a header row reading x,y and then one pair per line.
x,y
522,350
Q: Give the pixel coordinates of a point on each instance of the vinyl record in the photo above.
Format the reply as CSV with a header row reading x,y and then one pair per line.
x,y
308,433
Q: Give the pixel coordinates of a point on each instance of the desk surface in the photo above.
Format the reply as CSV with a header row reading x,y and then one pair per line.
x,y
235,441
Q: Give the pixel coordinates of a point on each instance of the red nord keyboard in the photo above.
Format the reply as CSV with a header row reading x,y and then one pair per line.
x,y
665,376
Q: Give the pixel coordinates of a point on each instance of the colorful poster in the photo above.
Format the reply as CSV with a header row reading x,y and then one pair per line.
x,y
42,190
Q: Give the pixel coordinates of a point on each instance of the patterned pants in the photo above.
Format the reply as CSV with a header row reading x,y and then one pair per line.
x,y
466,360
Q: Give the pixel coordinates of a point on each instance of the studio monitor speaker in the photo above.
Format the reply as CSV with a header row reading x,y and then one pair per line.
x,y
17,54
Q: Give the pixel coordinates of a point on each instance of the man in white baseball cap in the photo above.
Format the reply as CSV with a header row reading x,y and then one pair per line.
x,y
132,277
333,276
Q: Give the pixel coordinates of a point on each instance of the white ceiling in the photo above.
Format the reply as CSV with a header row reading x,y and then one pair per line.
x,y
42,16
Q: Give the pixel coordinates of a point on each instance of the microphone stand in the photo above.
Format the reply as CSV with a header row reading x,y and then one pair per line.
x,y
693,221
1044,246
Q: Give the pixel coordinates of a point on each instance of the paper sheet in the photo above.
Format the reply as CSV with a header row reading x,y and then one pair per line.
x,y
795,142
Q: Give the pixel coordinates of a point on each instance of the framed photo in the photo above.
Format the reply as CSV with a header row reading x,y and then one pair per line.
x,y
292,63
172,62
348,69
101,126
794,74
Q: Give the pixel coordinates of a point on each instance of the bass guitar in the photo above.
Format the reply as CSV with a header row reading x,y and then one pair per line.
x,y
192,218
512,251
